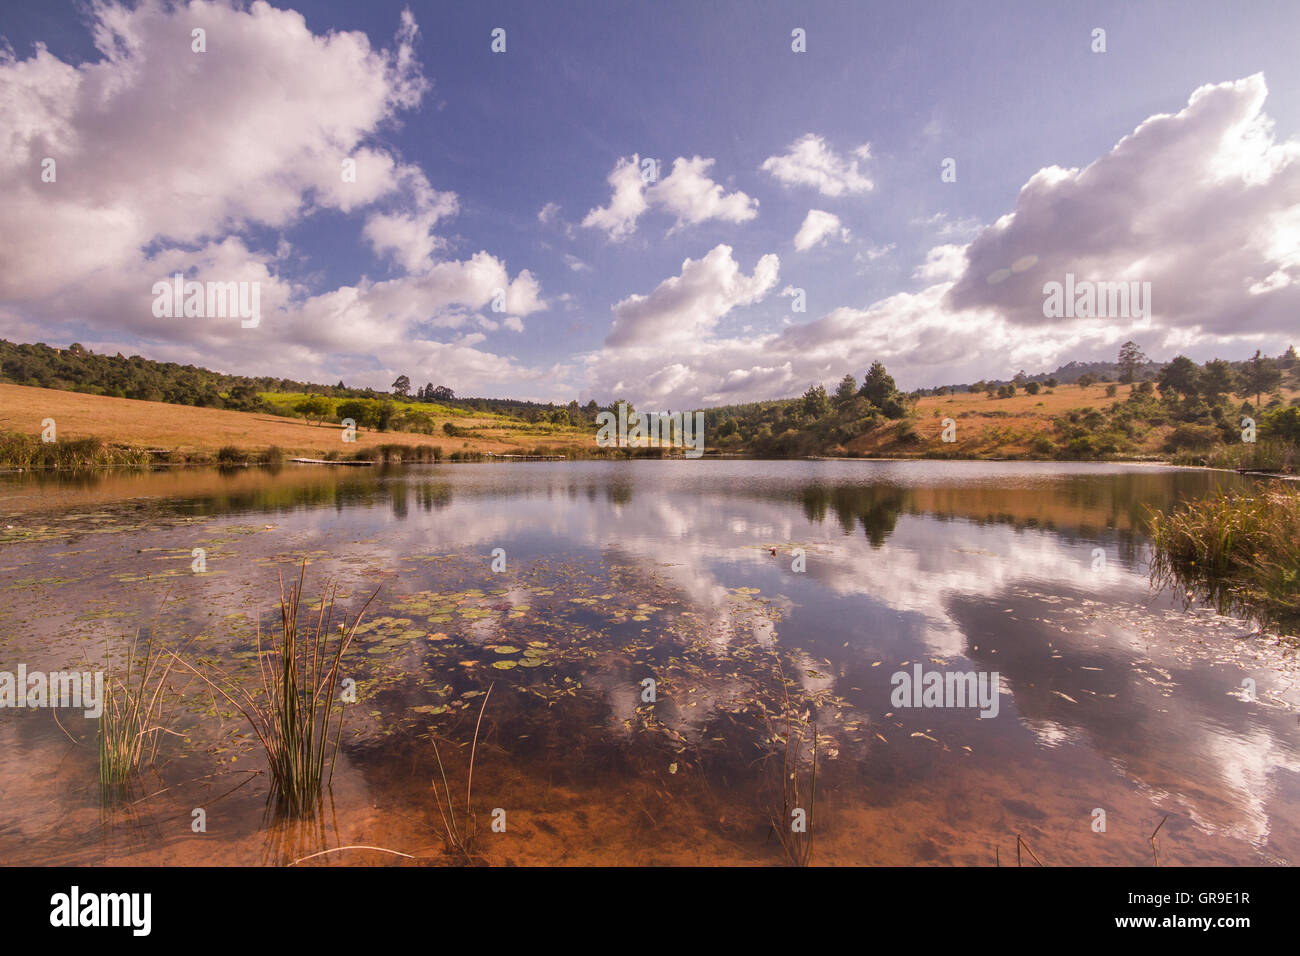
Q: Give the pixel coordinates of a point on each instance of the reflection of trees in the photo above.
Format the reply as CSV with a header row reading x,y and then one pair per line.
x,y
875,507
1085,506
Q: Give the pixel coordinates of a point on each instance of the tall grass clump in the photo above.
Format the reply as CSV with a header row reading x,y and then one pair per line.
x,y
132,716
28,451
230,455
1267,454
297,716
1240,551
273,455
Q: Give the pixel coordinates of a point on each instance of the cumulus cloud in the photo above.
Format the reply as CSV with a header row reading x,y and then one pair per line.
x,y
688,306
810,161
174,161
687,192
817,227
1204,204
942,264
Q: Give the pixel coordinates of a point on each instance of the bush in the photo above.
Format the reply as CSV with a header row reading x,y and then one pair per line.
x,y
1191,436
1282,423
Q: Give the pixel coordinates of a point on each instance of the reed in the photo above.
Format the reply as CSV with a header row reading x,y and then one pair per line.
x,y
29,451
460,833
1239,551
796,841
132,716
297,717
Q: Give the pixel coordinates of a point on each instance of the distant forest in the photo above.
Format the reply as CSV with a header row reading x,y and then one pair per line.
x,y
78,369
816,420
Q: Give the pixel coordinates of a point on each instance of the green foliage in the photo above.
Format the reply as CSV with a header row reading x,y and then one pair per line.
x,y
1239,551
314,407
878,386
816,403
1283,424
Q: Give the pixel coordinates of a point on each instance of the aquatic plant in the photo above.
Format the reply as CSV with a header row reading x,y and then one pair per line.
x,y
1240,551
29,451
132,716
460,833
794,828
297,711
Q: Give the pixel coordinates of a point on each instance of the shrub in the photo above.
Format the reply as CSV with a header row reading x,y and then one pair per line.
x,y
1192,436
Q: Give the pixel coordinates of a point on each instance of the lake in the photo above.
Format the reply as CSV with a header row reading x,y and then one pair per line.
x,y
736,594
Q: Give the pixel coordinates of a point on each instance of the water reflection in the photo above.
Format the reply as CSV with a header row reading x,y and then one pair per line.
x,y
1114,695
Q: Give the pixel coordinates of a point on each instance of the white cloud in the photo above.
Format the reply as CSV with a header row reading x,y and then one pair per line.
x,y
810,161
1204,204
619,218
687,192
688,306
942,264
171,162
817,227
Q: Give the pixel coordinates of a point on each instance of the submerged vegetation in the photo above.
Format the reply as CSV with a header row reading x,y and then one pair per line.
x,y
1239,551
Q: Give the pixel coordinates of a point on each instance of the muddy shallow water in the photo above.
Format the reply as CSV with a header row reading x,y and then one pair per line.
x,y
1113,696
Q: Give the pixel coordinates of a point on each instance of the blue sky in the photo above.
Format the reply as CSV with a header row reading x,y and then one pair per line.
x,y
1005,89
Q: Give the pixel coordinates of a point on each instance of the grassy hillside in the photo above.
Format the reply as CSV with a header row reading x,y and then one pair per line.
x,y
193,433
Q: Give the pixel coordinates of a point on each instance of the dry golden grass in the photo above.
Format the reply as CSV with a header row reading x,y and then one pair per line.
x,y
995,427
187,430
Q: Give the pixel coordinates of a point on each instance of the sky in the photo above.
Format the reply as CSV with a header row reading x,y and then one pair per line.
x,y
664,202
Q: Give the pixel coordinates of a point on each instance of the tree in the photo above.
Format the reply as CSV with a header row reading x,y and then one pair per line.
x,y
845,391
1217,379
1181,376
443,394
1261,375
356,410
1086,379
815,402
382,414
244,398
878,385
1032,388
1051,383
1131,361
402,386
313,406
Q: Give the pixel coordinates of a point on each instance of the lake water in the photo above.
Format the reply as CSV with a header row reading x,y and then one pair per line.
x,y
1114,696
